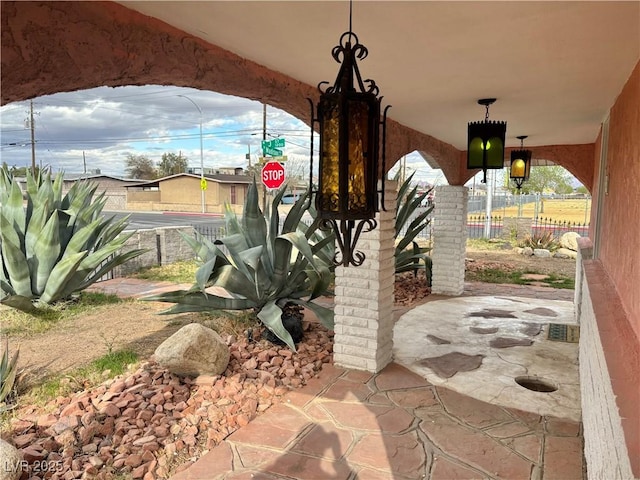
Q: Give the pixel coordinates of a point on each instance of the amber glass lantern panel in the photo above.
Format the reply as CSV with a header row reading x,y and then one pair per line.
x,y
517,168
330,156
358,156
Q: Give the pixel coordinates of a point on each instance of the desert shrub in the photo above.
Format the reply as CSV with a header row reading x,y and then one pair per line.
x,y
544,240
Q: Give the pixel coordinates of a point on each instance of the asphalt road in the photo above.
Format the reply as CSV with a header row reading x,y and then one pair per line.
x,y
147,220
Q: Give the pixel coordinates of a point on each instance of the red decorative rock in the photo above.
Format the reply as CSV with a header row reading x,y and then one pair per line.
x,y
109,409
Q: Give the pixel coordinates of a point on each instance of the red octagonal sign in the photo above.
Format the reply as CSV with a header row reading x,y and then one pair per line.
x,y
273,175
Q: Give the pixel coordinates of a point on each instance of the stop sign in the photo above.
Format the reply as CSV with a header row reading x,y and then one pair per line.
x,y
273,175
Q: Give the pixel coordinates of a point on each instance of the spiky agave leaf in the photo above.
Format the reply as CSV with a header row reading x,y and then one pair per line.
x,y
408,255
8,372
271,316
14,261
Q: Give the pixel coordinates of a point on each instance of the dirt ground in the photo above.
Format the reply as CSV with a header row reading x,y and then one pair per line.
x,y
136,325
69,345
508,259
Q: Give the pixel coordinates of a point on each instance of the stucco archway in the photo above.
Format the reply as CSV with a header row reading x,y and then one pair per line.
x,y
65,46
62,46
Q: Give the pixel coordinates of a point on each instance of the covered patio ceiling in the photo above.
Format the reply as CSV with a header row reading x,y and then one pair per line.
x,y
555,67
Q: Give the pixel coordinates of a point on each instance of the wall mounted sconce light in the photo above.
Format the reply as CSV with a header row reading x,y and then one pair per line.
x,y
485,142
520,164
351,177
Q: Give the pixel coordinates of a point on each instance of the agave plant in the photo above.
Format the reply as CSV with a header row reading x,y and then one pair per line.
x,y
409,256
263,266
8,373
57,245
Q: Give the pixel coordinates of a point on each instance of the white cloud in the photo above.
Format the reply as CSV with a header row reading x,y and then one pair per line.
x,y
106,124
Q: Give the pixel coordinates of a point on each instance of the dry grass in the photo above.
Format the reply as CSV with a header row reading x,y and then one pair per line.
x,y
179,272
573,210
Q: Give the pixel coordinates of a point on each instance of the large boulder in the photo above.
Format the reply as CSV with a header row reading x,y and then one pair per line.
x,y
569,240
10,462
193,350
565,253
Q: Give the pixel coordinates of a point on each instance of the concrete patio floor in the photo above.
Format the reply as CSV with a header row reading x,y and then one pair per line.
x,y
482,346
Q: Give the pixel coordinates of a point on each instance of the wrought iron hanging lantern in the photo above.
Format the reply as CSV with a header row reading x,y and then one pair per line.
x,y
485,144
351,166
520,164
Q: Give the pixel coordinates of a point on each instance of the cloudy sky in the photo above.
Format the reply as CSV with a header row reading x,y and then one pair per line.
x,y
107,124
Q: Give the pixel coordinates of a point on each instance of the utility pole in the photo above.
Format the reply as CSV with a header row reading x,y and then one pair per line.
x,y
264,121
84,162
202,180
264,137
33,139
488,205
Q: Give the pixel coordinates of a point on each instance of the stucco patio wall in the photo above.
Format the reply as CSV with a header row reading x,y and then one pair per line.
x,y
608,450
613,277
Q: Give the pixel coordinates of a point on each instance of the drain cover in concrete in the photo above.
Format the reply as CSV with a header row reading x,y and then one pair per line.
x,y
506,342
446,366
564,333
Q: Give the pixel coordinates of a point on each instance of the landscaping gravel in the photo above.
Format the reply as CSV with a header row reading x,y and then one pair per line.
x,y
149,424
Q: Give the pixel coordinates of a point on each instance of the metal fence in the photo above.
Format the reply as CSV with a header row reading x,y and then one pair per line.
x,y
558,227
425,233
210,232
478,203
477,226
213,233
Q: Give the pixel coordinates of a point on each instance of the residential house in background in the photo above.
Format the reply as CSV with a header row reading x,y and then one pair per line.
x,y
182,193
114,188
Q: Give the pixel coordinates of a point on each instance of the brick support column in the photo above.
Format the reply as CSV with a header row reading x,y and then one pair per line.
x,y
364,298
449,240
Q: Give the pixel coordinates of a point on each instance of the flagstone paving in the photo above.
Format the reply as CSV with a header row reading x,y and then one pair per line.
x,y
351,425
348,425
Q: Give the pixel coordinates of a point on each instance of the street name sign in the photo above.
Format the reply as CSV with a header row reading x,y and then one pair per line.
x,y
275,152
272,147
275,143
